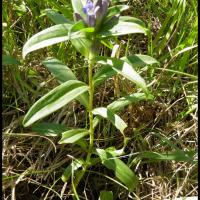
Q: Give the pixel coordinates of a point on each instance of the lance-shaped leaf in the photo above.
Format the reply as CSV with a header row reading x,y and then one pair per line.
x,y
56,17
179,155
120,103
131,19
114,10
123,68
114,118
116,27
50,36
81,44
77,163
139,60
73,135
78,7
9,60
54,100
136,60
49,129
106,195
104,73
124,101
60,71
121,170
63,73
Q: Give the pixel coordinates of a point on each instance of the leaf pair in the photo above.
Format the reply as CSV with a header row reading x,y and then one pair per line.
x,y
59,32
54,100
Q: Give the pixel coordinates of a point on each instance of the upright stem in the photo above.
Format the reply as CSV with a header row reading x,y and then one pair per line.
x,y
91,130
90,108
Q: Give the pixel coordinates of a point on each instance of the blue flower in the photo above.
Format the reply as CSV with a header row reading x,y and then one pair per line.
x,y
95,11
88,8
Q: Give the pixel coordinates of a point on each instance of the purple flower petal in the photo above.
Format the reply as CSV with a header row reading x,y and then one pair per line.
x,y
105,4
97,12
85,10
91,20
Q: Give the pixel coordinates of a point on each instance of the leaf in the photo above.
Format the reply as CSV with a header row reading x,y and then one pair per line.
x,y
73,135
114,10
116,27
139,60
83,144
56,17
120,103
179,155
82,45
78,8
107,43
115,119
124,101
132,19
106,195
65,10
49,129
136,60
77,163
121,170
123,68
9,60
54,100
49,36
104,73
62,73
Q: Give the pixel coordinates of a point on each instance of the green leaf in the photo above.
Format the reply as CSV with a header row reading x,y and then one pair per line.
x,y
83,144
62,73
106,195
48,37
49,129
77,163
9,60
120,103
115,152
140,60
54,100
121,170
124,101
106,42
132,19
82,45
114,118
56,17
78,7
116,27
73,135
136,60
65,10
123,68
179,155
114,10
104,73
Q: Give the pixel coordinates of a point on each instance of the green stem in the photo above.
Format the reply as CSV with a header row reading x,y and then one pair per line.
x,y
91,130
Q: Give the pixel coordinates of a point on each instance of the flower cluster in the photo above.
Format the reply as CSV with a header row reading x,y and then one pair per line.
x,y
94,11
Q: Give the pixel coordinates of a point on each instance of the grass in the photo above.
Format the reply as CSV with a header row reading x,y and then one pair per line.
x,y
33,164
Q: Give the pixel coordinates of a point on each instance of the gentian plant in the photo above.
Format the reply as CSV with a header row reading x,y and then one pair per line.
x,y
95,23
